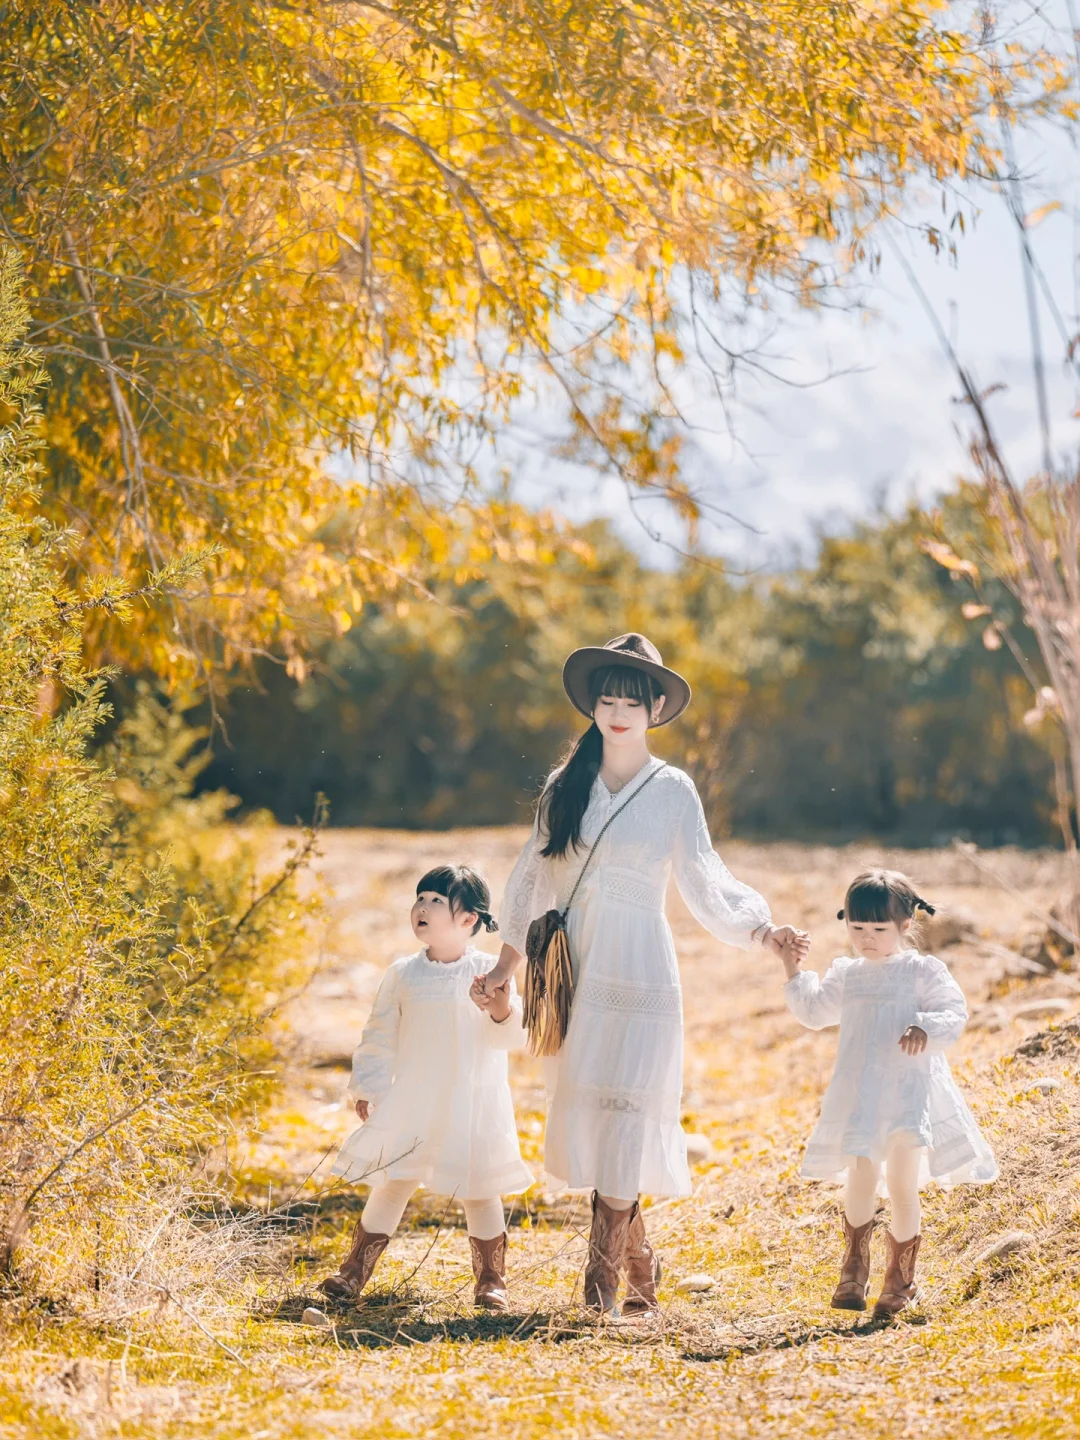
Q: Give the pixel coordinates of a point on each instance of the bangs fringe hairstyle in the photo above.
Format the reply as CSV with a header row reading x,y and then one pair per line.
x,y
878,896
465,889
564,802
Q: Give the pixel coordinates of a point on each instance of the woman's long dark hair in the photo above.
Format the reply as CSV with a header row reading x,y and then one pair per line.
x,y
564,802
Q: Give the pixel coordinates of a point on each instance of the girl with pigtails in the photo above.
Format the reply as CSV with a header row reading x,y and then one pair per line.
x,y
430,1083
892,1116
612,824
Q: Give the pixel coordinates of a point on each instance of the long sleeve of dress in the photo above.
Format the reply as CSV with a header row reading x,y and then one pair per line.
x,y
508,1034
815,1002
727,908
942,1007
375,1056
529,891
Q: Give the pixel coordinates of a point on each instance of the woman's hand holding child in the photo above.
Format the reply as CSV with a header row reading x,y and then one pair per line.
x,y
493,999
785,940
793,951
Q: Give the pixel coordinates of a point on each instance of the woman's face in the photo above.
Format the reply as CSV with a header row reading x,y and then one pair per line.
x,y
623,720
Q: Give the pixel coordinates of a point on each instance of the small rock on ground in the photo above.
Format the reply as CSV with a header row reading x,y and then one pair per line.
x,y
1005,1245
311,1316
698,1149
1042,1009
694,1284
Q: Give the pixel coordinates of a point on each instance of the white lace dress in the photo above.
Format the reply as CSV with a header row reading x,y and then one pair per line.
x,y
877,1091
434,1068
615,1087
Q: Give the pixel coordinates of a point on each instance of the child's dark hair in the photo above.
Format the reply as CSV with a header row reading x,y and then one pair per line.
x,y
464,888
877,896
564,802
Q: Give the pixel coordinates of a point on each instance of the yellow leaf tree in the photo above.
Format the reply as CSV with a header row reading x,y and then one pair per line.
x,y
291,262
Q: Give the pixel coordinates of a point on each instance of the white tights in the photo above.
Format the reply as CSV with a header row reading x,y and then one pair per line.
x,y
386,1205
901,1181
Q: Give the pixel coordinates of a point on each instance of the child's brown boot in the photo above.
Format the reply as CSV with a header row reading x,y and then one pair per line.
x,y
642,1268
898,1289
607,1253
356,1268
489,1270
850,1293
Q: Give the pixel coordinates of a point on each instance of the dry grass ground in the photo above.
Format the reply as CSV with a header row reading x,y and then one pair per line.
x,y
197,1329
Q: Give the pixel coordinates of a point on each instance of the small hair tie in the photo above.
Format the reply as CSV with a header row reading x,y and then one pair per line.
x,y
920,904
840,914
489,922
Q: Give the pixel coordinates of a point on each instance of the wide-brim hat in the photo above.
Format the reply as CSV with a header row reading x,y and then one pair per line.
x,y
635,651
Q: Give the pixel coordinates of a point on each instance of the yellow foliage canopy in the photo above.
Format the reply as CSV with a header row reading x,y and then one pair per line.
x,y
260,235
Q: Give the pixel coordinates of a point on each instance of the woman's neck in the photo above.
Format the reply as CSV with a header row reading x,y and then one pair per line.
x,y
622,762
445,954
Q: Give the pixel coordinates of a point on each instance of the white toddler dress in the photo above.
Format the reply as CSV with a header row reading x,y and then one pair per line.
x,y
616,1085
434,1067
877,1091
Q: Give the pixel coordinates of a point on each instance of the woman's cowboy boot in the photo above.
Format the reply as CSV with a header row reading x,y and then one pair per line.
x,y
356,1268
642,1268
607,1253
489,1269
850,1293
898,1289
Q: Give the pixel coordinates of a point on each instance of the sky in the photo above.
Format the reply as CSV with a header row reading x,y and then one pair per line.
x,y
872,419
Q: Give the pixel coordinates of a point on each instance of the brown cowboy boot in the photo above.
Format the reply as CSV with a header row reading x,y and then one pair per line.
x,y
898,1289
489,1269
607,1250
643,1268
356,1268
850,1293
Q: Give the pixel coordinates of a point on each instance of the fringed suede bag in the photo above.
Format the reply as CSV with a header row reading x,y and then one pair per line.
x,y
549,978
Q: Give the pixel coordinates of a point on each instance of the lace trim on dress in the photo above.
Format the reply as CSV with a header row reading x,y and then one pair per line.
x,y
627,888
629,999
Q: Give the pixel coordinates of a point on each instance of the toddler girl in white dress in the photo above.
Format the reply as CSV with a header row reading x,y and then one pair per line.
x,y
892,1104
429,1079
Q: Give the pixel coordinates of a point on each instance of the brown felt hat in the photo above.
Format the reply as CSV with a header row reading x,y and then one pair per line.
x,y
639,654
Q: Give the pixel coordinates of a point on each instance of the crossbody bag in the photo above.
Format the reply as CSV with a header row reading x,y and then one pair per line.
x,y
549,976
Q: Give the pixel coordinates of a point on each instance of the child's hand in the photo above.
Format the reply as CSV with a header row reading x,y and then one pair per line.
x,y
913,1041
363,1108
478,995
793,953
497,1003
786,940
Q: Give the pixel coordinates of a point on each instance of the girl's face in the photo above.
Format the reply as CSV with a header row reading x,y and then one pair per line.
x,y
435,924
878,939
622,720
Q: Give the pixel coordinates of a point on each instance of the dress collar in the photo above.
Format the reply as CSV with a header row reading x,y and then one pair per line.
x,y
631,784
446,964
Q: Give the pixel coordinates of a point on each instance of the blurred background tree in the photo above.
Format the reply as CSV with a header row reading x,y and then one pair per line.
x,y
847,698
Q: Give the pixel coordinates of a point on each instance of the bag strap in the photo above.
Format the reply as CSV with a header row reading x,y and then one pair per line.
x,y
603,830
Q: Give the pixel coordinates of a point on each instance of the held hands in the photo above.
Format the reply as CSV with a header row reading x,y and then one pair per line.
x,y
792,946
793,951
492,995
913,1041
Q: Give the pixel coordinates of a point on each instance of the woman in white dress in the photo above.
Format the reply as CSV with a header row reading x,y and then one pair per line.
x,y
615,1087
892,1111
